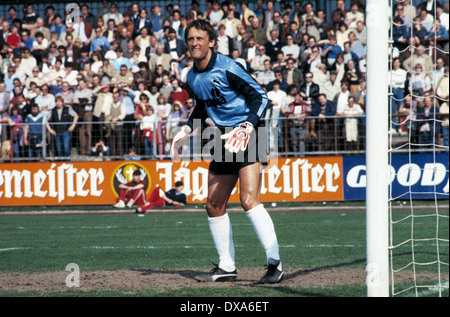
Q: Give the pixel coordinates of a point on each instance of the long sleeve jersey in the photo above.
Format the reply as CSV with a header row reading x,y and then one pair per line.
x,y
226,93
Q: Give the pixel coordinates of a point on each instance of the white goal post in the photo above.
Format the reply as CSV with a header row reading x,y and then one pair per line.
x,y
377,192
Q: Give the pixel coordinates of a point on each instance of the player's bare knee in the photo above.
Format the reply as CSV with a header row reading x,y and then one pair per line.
x,y
248,202
213,209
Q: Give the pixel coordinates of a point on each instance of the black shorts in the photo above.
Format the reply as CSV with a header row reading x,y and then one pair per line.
x,y
227,163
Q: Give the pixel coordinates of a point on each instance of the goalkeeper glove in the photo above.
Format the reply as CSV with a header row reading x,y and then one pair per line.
x,y
238,138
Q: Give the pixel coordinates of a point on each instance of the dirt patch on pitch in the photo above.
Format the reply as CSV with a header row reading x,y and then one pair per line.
x,y
162,280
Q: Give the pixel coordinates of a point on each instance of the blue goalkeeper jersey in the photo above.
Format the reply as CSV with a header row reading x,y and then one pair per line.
x,y
226,93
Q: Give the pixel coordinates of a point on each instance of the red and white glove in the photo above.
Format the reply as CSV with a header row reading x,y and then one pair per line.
x,y
178,141
238,138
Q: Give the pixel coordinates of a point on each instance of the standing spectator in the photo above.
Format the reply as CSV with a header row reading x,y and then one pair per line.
x,y
444,114
277,98
142,22
216,15
115,113
33,132
428,127
267,75
61,123
322,128
83,106
173,121
297,111
147,127
353,77
103,97
162,112
15,121
397,78
351,110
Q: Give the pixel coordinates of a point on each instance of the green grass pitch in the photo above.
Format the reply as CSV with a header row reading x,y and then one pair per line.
x,y
309,242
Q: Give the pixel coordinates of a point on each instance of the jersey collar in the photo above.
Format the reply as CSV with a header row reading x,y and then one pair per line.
x,y
210,65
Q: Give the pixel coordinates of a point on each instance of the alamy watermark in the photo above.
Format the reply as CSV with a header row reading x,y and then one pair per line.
x,y
73,278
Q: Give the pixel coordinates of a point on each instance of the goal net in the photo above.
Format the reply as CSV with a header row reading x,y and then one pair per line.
x,y
418,148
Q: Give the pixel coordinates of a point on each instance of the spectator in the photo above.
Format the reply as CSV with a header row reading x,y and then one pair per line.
x,y
353,77
66,94
162,112
332,87
15,121
147,128
444,116
339,14
224,42
124,78
61,123
293,75
176,48
257,63
330,50
115,113
428,127
157,198
173,121
178,93
160,58
296,113
351,111
277,98
273,46
419,83
309,91
33,132
46,101
100,43
322,128
133,192
353,17
103,97
82,103
442,87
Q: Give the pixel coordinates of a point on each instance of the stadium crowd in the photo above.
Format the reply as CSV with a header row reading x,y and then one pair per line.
x,y
110,83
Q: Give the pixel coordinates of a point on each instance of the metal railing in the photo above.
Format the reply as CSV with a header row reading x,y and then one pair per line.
x,y
131,140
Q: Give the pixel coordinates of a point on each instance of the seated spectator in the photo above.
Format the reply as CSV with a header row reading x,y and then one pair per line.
x,y
257,63
173,197
353,76
267,75
330,50
134,192
292,74
309,91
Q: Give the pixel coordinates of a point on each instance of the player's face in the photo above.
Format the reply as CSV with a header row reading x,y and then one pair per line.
x,y
199,44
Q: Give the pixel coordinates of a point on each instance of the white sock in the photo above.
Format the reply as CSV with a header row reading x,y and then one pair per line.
x,y
223,239
263,225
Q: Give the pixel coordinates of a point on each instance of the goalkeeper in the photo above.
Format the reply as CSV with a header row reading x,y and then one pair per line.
x,y
228,95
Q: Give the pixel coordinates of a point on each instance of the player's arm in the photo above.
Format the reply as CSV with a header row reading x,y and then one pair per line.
x,y
255,97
